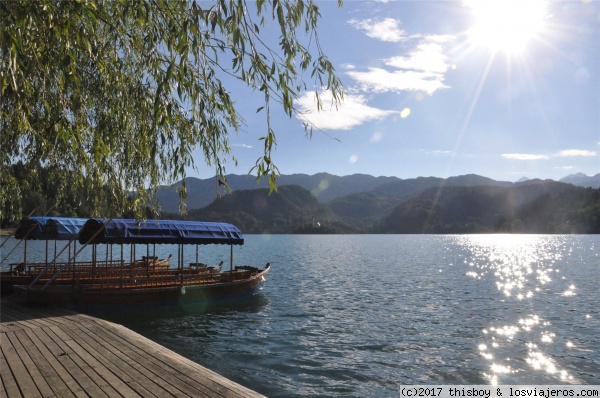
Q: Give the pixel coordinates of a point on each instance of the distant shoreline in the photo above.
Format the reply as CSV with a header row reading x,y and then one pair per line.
x,y
7,232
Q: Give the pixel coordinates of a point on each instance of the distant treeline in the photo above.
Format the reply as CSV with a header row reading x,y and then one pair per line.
x,y
545,207
44,191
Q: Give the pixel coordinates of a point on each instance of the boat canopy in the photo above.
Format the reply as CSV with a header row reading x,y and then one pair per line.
x,y
120,231
49,228
62,228
30,227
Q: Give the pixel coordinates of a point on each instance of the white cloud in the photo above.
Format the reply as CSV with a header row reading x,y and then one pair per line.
x,y
562,154
381,80
576,152
243,146
441,152
428,56
387,29
524,156
353,112
421,69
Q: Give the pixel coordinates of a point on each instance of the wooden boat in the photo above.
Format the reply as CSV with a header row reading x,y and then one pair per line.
x,y
63,229
54,229
129,283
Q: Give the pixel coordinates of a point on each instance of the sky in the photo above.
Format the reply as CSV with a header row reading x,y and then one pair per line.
x,y
505,90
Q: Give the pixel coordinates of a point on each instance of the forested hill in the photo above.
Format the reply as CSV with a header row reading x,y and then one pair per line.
x,y
544,207
292,209
534,207
327,188
365,204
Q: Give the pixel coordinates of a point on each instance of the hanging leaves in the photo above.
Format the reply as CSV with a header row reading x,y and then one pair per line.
x,y
123,93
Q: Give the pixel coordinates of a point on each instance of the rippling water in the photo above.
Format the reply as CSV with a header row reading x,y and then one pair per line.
x,y
358,315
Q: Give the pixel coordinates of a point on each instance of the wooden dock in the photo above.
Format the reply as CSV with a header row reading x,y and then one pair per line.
x,y
54,352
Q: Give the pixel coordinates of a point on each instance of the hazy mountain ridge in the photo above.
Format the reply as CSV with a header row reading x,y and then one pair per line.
x,y
257,211
582,180
533,206
323,186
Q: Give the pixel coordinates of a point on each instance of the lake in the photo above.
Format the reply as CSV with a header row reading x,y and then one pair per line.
x,y
359,315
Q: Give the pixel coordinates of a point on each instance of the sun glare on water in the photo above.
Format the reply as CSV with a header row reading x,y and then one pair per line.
x,y
506,25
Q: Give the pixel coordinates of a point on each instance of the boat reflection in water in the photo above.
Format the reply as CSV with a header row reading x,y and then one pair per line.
x,y
121,281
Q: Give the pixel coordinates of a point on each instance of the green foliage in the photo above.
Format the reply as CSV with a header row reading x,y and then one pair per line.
x,y
362,206
552,208
257,211
120,94
43,192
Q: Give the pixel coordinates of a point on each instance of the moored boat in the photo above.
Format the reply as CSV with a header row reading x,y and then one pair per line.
x,y
49,229
150,280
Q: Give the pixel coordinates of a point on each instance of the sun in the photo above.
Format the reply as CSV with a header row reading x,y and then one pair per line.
x,y
506,25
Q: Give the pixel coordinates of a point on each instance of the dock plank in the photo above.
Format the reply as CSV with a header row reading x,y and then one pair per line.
x,y
121,364
222,388
17,366
51,351
155,367
68,371
105,366
57,368
9,385
29,362
47,369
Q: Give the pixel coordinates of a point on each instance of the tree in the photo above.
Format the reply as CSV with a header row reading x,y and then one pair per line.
x,y
122,92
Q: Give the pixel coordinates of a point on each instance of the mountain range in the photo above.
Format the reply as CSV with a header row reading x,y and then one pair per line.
x,y
327,187
359,203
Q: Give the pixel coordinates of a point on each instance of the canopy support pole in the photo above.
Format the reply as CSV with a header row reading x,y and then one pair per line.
x,y
121,268
181,262
230,258
74,256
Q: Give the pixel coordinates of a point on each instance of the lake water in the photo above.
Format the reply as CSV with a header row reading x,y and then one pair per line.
x,y
359,315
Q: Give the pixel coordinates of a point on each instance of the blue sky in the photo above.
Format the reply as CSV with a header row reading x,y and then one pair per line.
x,y
435,88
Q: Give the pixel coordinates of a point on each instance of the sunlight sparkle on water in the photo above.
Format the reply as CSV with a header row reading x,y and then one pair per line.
x,y
539,361
497,368
509,331
520,263
521,267
570,291
547,337
529,322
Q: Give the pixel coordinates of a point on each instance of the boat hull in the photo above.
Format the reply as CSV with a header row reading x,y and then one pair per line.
x,y
72,295
8,281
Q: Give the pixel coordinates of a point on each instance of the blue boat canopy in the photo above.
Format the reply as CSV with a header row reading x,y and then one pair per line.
x,y
62,228
30,228
46,228
120,231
